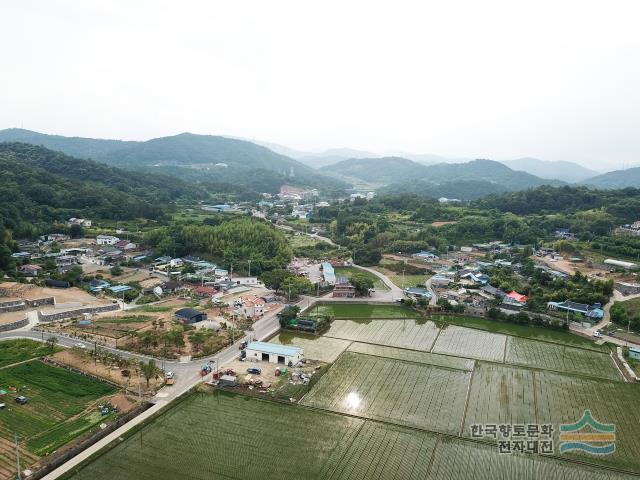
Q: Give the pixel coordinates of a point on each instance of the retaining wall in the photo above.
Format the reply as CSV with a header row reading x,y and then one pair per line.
x,y
52,317
13,325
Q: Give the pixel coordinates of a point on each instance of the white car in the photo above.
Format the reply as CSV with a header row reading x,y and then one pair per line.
x,y
80,345
597,334
168,375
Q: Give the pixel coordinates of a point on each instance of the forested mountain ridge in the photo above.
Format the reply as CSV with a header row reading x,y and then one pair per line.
x,y
206,158
629,177
40,186
566,171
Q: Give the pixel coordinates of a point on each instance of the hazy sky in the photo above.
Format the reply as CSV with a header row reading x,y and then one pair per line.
x,y
559,80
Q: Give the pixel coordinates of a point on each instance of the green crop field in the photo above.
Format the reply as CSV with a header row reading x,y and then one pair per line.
x,y
14,351
500,394
324,349
557,357
469,343
57,408
361,310
408,333
563,399
412,356
385,452
406,393
225,435
526,331
222,435
457,460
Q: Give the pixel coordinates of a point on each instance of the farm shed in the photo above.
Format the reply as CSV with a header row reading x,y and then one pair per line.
x,y
190,315
270,352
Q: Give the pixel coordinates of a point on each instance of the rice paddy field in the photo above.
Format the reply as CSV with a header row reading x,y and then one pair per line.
x,y
465,342
397,402
359,310
406,333
406,393
522,351
324,349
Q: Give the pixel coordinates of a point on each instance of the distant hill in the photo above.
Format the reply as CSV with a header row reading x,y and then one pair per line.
x,y
383,170
213,158
566,171
78,147
333,156
468,181
616,179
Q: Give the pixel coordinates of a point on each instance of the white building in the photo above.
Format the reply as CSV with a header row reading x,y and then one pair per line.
x,y
107,240
252,307
83,222
273,353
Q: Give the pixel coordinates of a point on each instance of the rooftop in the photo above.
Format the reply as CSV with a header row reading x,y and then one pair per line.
x,y
274,348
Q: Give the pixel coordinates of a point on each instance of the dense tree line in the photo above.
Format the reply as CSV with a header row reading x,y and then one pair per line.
x,y
231,243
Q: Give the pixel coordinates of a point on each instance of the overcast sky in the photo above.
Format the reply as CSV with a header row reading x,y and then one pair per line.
x,y
558,80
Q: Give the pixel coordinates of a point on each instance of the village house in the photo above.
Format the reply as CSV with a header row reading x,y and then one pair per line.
x,y
107,240
31,270
343,288
83,222
592,312
125,245
252,307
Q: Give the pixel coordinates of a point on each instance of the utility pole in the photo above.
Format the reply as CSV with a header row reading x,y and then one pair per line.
x,y
249,267
18,458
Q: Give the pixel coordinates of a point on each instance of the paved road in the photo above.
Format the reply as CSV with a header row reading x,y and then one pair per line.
x,y
434,297
390,295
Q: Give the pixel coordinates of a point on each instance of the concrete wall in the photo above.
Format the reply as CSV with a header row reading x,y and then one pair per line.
x,y
17,305
52,317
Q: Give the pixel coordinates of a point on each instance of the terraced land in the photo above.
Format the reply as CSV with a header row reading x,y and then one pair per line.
x,y
324,349
61,407
551,356
563,399
469,343
407,333
406,393
412,356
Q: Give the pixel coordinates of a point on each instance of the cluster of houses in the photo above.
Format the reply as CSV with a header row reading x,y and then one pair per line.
x,y
632,229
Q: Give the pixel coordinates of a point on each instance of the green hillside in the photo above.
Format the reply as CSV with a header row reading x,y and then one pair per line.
x,y
616,179
40,186
200,158
383,170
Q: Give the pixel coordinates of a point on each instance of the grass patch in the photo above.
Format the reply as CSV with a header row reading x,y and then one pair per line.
x,y
125,320
153,309
14,351
349,271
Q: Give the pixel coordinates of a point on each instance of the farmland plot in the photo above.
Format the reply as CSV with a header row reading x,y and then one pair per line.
x,y
563,399
222,435
550,356
14,351
55,395
416,395
384,452
500,394
412,356
324,349
469,343
460,460
361,310
408,333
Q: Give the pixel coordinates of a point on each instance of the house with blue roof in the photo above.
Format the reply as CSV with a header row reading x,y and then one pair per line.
x,y
592,312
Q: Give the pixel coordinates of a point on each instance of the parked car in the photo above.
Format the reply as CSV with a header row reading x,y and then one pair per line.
x,y
79,345
168,375
2,406
254,370
612,333
243,354
597,334
243,345
22,400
